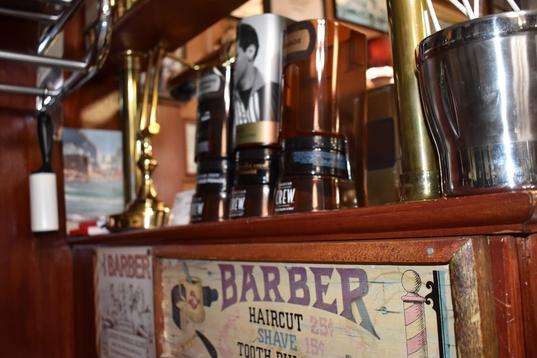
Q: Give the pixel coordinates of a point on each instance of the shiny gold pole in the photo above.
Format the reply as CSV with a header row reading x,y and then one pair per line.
x,y
420,176
146,211
130,117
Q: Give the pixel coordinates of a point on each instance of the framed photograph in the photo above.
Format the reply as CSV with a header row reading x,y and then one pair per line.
x,y
298,10
190,148
93,174
353,299
372,14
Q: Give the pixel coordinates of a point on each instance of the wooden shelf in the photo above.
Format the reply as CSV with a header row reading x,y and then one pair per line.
x,y
501,213
171,21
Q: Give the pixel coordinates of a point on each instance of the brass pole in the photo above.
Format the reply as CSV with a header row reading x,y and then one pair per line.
x,y
145,210
420,175
130,115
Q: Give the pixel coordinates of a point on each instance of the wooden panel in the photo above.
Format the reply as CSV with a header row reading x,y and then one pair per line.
x,y
527,251
36,282
471,215
84,296
36,276
475,323
507,296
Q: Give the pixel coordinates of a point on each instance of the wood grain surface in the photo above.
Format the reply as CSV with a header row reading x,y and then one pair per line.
x,y
507,295
36,275
36,278
510,212
527,250
473,301
85,303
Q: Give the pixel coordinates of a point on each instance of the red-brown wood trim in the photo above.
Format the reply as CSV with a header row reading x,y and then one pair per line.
x,y
527,255
473,300
411,251
157,304
84,302
501,213
507,296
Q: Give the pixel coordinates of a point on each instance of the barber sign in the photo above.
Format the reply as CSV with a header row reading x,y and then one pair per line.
x,y
124,296
288,310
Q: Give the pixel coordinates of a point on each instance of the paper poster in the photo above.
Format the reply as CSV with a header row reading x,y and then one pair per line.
x,y
124,296
286,310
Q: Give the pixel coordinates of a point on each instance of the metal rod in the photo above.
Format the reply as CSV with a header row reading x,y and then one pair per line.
x,y
43,60
95,58
420,176
147,85
34,91
130,117
153,127
50,34
58,2
29,15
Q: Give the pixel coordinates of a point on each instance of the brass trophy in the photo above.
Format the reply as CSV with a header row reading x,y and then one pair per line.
x,y
420,175
146,210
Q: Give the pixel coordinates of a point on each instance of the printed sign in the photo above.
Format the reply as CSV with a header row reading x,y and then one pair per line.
x,y
286,310
124,297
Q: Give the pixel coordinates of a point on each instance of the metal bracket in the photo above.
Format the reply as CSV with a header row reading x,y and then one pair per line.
x,y
82,71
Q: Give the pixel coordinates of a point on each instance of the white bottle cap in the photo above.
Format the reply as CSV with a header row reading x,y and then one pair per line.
x,y
43,202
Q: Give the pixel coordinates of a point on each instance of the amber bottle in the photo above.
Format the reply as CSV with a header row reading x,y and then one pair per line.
x,y
323,108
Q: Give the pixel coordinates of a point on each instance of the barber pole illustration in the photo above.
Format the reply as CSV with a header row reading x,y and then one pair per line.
x,y
416,333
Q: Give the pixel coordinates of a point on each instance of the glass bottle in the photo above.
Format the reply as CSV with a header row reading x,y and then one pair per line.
x,y
210,202
315,176
323,109
256,172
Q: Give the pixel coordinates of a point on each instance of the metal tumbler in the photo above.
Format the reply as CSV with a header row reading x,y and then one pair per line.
x,y
478,85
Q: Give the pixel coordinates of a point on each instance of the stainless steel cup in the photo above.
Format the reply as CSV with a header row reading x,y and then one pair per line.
x,y
478,83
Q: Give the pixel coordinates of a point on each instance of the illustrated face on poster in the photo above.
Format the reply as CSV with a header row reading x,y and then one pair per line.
x,y
246,309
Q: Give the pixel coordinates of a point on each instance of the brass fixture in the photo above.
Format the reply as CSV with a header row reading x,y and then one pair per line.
x,y
420,175
146,210
130,118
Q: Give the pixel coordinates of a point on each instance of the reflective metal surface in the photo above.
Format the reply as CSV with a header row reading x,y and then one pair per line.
x,y
50,34
34,91
94,59
130,118
146,210
29,15
43,60
478,87
419,167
